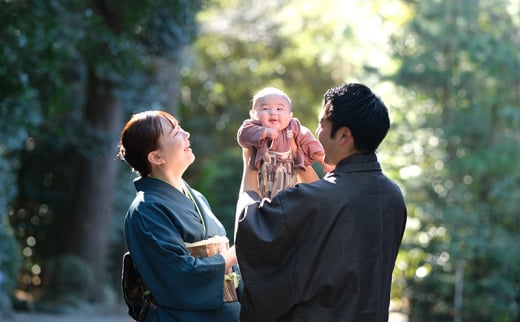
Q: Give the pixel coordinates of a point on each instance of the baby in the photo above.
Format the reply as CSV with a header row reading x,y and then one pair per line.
x,y
282,150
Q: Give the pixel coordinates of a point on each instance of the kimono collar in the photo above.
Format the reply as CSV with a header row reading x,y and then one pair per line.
x,y
166,191
359,163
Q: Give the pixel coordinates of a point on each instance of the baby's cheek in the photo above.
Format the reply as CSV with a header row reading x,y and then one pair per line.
x,y
284,123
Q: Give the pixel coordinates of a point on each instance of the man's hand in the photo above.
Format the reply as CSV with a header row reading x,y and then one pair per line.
x,y
249,176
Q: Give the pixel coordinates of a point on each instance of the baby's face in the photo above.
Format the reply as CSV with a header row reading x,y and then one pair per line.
x,y
273,111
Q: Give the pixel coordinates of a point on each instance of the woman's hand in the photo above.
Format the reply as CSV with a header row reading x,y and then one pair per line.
x,y
230,256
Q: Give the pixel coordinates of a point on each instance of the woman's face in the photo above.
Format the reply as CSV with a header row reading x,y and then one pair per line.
x,y
174,147
273,111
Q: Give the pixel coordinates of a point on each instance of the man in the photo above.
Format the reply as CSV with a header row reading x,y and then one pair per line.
x,y
325,251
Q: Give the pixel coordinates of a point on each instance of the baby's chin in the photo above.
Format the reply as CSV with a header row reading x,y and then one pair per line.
x,y
280,127
276,125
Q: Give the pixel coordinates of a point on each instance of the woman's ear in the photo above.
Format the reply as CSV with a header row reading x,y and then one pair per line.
x,y
155,158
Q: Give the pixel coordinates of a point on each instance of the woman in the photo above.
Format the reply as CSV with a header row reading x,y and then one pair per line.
x,y
167,219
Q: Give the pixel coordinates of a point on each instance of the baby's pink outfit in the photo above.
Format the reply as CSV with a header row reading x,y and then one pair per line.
x,y
274,160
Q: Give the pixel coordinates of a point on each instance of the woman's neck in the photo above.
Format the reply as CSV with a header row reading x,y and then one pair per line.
x,y
175,181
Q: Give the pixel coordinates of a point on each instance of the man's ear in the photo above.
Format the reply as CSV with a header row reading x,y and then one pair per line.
x,y
344,134
155,158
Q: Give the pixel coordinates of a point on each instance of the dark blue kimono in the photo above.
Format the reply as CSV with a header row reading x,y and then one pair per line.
x,y
158,223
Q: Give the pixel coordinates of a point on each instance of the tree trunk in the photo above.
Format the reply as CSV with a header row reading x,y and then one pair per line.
x,y
90,231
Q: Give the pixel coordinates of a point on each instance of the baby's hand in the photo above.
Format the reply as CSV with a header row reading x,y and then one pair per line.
x,y
328,167
272,133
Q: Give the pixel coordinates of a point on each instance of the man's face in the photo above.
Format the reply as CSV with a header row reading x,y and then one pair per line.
x,y
323,133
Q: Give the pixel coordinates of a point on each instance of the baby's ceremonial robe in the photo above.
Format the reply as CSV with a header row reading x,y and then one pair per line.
x,y
323,251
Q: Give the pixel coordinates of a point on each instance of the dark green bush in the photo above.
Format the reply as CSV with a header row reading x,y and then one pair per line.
x,y
9,264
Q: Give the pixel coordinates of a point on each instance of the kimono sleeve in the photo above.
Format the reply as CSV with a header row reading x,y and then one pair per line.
x,y
266,257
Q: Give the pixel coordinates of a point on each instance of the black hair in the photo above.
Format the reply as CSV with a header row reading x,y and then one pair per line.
x,y
354,106
140,136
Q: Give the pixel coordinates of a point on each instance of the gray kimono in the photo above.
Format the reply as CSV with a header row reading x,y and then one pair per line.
x,y
323,251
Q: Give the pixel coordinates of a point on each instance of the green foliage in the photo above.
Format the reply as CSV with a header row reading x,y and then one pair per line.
x,y
9,264
68,278
451,86
41,212
51,50
236,55
460,60
19,111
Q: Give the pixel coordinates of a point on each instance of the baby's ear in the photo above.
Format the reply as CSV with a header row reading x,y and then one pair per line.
x,y
251,113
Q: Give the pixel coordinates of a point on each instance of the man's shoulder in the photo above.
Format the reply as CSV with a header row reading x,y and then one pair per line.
x,y
321,187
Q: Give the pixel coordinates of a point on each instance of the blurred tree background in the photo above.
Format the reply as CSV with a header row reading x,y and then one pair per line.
x,y
72,72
